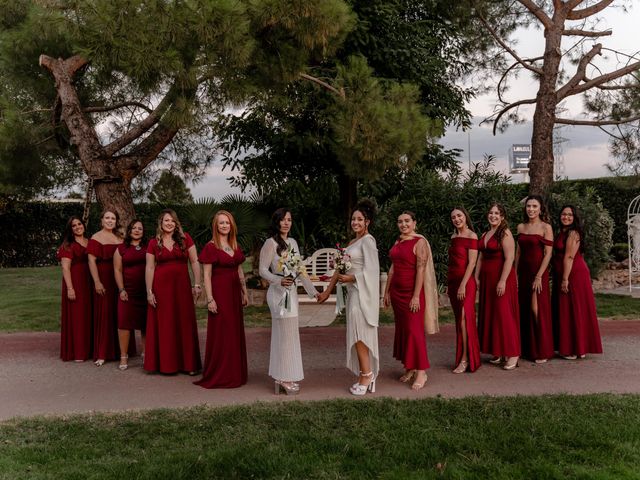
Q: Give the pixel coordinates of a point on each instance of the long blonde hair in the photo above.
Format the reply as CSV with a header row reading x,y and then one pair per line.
x,y
178,234
233,232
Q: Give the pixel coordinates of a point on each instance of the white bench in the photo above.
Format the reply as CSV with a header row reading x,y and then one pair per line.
x,y
318,265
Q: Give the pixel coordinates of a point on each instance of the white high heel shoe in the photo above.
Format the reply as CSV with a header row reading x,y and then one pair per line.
x,y
359,389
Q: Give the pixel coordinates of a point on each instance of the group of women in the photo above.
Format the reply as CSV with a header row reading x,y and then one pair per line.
x,y
114,286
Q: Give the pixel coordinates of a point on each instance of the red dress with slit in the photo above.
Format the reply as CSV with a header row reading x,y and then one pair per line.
x,y
458,262
536,334
225,358
75,315
574,312
409,345
132,314
105,310
499,318
171,344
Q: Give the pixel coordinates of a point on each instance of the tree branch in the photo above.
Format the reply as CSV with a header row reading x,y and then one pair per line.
x,y
504,45
581,71
586,33
538,12
141,127
596,123
324,85
509,107
108,108
589,11
604,79
504,75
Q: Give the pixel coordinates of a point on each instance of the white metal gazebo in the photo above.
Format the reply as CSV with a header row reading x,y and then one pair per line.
x,y
633,232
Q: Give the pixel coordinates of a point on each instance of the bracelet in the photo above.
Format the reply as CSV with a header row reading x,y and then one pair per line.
x,y
197,285
149,292
120,290
210,301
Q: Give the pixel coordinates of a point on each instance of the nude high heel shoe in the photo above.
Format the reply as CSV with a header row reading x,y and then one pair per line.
x,y
289,388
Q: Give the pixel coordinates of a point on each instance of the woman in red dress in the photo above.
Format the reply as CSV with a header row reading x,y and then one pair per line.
x,y
574,306
498,322
461,287
75,317
101,248
129,264
172,332
225,359
410,296
535,248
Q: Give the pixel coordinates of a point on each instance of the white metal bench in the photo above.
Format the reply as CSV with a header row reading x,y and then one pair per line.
x,y
318,265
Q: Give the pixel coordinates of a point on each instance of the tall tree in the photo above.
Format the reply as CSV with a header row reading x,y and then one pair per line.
x,y
562,70
387,93
139,80
170,189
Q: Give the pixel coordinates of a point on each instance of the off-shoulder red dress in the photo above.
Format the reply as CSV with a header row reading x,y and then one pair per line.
x,y
132,314
574,312
499,318
75,315
171,344
536,334
225,358
458,262
409,345
105,321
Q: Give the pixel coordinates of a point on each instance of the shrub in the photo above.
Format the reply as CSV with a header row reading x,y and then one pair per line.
x,y
619,251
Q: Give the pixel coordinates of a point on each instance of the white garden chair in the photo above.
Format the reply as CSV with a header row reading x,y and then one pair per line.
x,y
318,265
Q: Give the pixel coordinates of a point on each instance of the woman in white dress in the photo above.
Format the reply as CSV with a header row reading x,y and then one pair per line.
x,y
285,360
363,300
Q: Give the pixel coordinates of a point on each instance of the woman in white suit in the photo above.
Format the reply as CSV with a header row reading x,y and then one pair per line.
x,y
363,300
285,359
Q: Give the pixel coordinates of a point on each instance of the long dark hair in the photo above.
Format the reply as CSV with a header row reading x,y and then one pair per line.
x,y
544,213
576,226
178,234
504,225
68,237
276,218
368,210
127,235
466,216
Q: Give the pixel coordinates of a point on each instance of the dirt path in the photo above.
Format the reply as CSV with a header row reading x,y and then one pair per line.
x,y
33,381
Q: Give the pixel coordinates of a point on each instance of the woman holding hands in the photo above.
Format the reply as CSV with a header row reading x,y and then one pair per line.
x,y
172,333
412,292
363,300
285,358
225,359
499,319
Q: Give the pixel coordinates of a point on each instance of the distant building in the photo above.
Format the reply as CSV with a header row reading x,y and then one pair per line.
x,y
519,158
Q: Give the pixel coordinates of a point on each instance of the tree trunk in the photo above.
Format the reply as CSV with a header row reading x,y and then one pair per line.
x,y
541,165
116,195
348,188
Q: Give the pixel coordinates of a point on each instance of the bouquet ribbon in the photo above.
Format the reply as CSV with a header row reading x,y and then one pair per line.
x,y
341,293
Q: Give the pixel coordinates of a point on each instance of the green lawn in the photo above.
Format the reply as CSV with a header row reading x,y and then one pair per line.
x,y
30,301
554,437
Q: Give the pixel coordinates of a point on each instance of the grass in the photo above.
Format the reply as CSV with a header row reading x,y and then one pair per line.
x,y
554,437
30,301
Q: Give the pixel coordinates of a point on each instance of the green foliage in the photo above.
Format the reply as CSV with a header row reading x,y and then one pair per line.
x,y
170,189
619,251
432,195
597,223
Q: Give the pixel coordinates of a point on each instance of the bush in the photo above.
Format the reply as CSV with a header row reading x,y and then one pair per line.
x,y
598,224
619,251
432,196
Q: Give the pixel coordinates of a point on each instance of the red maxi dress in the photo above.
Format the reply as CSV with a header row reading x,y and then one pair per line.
x,y
409,345
458,262
225,359
574,312
171,344
75,315
499,318
536,335
132,314
105,321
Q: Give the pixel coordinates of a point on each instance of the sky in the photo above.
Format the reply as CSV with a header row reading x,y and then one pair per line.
x,y
584,153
